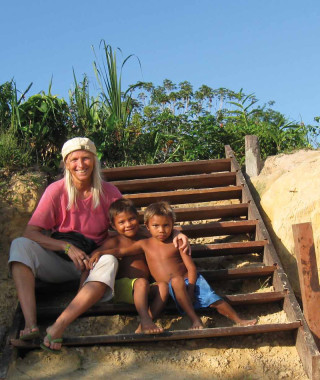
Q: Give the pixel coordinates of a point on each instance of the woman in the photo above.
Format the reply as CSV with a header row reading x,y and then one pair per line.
x,y
79,202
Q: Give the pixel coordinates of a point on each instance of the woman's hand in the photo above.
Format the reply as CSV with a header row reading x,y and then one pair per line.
x,y
181,241
79,258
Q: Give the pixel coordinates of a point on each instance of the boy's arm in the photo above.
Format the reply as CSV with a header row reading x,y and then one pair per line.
x,y
192,272
135,249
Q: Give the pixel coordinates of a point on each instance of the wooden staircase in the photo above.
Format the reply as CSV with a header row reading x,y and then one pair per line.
x,y
230,245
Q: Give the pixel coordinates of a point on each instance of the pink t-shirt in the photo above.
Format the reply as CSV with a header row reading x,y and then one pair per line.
x,y
52,214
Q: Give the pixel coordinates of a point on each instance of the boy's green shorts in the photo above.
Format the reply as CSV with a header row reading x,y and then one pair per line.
x,y
123,290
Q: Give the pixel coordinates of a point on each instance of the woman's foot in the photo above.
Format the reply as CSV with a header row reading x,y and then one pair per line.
x,y
29,333
53,340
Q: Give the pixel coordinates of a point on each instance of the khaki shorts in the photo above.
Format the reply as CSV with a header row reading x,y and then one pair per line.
x,y
47,266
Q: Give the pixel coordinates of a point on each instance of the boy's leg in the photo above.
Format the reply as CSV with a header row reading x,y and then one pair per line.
x,y
159,293
228,311
141,290
183,299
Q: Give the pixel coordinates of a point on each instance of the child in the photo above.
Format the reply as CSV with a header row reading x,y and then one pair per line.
x,y
132,285
168,264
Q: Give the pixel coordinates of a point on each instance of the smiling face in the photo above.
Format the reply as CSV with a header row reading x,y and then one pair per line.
x,y
160,227
126,223
80,163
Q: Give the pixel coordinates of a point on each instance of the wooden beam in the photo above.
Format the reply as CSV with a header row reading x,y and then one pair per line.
x,y
218,228
236,273
161,170
187,196
308,276
208,212
252,155
166,336
104,308
225,249
174,183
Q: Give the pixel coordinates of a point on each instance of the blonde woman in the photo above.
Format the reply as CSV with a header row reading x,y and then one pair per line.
x,y
78,203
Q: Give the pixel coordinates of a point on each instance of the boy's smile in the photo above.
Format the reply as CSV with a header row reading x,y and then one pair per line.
x,y
160,227
126,223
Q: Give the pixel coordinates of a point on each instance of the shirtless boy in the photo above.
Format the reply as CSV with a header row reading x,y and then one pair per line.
x,y
132,285
168,264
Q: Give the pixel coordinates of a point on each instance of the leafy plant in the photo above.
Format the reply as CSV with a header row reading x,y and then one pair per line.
x,y
117,105
44,121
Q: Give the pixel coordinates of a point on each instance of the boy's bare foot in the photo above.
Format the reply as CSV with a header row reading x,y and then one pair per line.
x,y
247,322
197,325
148,328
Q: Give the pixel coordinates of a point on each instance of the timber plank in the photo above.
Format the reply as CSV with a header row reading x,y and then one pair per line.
x,y
104,308
208,212
174,183
224,249
161,170
236,273
218,228
167,335
187,196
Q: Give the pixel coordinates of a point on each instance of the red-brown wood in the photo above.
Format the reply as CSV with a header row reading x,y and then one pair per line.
x,y
164,170
187,196
174,183
308,276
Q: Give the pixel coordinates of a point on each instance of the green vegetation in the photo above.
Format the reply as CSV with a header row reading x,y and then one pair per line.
x,y
143,124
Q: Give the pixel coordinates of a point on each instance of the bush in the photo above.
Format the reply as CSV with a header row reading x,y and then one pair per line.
x,y
14,154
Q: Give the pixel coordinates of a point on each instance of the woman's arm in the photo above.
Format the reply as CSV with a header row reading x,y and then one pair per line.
x,y
79,258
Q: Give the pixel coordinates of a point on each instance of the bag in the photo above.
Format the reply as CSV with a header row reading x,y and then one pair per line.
x,y
78,240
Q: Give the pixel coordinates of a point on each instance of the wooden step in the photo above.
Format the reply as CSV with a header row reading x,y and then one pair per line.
x,y
225,249
167,335
209,212
219,228
104,308
187,196
166,170
173,183
238,273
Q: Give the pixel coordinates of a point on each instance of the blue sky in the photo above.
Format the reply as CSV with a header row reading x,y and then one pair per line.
x,y
267,47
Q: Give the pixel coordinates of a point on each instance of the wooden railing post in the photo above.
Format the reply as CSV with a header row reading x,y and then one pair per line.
x,y
308,276
253,160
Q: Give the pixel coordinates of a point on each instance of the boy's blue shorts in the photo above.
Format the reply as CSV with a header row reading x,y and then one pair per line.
x,y
204,295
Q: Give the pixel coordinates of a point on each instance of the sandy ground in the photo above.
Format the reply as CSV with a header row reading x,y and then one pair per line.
x,y
263,356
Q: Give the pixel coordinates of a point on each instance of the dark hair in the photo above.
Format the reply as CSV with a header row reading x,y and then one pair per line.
x,y
161,208
121,205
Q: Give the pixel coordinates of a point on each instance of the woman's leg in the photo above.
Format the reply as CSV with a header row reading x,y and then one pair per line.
x,y
99,284
87,296
25,285
29,260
